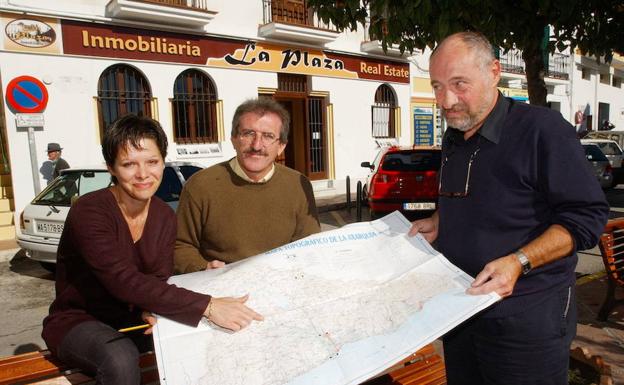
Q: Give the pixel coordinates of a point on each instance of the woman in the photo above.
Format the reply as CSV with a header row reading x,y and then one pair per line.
x,y
114,257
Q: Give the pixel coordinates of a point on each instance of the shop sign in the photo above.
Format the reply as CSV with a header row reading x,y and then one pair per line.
x,y
129,43
30,34
423,126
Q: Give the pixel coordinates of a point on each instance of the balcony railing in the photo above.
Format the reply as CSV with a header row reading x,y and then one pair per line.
x,y
196,5
294,12
512,62
558,64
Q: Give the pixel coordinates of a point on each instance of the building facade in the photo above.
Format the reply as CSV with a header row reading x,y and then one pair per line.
x,y
189,64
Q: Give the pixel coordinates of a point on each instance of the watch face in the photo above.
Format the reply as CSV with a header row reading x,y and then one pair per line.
x,y
526,268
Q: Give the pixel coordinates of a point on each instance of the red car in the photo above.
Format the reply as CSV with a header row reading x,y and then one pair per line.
x,y
404,179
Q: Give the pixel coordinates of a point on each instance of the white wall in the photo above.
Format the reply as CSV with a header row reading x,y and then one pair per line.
x,y
587,94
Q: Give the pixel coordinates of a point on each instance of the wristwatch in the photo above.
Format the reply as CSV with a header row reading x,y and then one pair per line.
x,y
524,261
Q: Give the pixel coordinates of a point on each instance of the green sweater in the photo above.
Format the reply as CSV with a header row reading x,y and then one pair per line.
x,y
223,217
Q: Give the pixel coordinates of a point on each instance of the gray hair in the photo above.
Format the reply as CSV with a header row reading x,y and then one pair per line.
x,y
261,106
478,44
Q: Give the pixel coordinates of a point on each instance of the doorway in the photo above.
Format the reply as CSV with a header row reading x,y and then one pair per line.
x,y
306,151
603,115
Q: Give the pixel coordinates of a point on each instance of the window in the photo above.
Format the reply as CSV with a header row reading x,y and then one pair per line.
x,y
586,73
617,82
122,89
383,113
605,78
194,103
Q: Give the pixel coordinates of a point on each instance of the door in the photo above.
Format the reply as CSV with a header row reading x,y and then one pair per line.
x,y
306,151
603,115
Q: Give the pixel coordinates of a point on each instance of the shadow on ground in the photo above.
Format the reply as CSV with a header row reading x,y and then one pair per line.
x,y
21,264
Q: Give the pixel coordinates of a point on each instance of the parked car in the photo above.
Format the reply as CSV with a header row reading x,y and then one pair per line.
x,y
42,221
613,152
617,136
599,164
404,179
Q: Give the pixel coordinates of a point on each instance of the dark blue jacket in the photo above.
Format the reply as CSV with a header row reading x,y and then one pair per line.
x,y
529,173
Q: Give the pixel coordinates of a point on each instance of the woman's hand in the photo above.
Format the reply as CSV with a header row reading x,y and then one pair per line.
x,y
231,313
150,319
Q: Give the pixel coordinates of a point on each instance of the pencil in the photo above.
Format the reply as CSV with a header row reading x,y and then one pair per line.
x,y
139,327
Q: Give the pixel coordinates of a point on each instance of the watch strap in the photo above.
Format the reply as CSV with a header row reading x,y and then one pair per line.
x,y
524,261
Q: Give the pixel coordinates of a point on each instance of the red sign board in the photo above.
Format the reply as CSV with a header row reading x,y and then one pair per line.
x,y
26,94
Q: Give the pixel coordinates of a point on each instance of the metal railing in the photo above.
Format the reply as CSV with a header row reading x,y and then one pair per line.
x,y
558,64
294,12
198,5
512,62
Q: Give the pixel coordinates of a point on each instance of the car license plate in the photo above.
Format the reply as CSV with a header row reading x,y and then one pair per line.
x,y
46,227
419,206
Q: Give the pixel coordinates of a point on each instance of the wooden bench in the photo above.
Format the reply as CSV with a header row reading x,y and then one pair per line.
x,y
424,367
43,369
612,250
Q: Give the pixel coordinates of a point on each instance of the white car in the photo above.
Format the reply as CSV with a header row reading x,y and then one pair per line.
x,y
42,221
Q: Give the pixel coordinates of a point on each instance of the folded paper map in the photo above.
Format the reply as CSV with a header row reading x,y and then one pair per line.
x,y
340,307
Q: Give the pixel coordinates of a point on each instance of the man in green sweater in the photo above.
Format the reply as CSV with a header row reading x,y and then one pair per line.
x,y
249,204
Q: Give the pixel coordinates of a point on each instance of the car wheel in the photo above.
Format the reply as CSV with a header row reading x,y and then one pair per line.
x,y
49,266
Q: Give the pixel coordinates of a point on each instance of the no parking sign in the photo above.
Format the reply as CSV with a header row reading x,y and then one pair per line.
x,y
27,94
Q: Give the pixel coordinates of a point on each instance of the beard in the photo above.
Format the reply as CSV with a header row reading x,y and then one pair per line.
x,y
468,119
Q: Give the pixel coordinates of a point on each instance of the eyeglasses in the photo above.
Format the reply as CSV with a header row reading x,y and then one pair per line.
x,y
460,194
266,138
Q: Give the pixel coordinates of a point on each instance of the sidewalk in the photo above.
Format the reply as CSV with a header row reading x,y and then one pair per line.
x,y
605,339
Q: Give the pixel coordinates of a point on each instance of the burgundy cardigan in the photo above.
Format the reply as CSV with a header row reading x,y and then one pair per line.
x,y
103,275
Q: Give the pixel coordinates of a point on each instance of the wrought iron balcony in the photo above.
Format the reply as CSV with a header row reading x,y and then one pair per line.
x,y
293,20
184,13
558,64
512,62
198,5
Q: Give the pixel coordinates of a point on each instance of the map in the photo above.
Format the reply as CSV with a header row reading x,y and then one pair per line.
x,y
339,306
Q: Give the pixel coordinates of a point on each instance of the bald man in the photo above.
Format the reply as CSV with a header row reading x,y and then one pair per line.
x,y
516,201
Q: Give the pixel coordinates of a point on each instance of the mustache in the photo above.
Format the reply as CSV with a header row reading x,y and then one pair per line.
x,y
251,151
455,108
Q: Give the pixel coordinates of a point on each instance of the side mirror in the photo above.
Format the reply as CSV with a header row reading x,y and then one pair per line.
x,y
367,165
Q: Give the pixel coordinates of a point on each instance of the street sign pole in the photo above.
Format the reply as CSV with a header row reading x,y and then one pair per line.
x,y
33,159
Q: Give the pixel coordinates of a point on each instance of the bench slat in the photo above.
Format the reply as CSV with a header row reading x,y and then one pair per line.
x,y
612,250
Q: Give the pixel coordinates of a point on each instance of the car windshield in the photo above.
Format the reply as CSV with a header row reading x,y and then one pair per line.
x,y
593,153
412,161
609,148
71,184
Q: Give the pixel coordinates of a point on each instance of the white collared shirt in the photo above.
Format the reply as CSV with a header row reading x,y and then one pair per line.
x,y
236,167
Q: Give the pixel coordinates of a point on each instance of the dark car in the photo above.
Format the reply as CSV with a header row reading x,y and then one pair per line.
x,y
599,164
404,179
